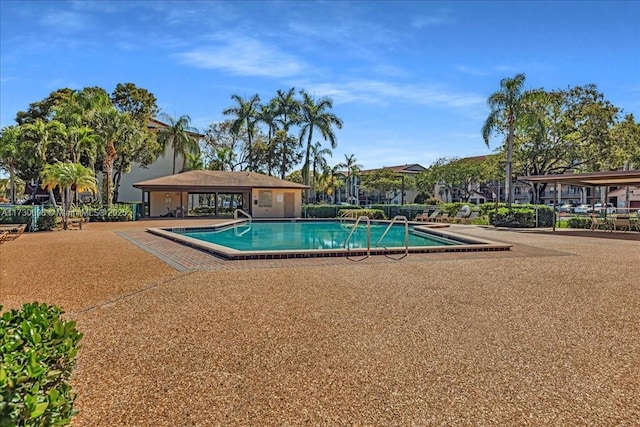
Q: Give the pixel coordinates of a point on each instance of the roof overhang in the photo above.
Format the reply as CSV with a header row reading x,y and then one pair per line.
x,y
589,179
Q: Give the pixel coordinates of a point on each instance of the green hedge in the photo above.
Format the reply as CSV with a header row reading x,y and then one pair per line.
x,y
355,213
17,215
38,351
579,222
116,213
521,216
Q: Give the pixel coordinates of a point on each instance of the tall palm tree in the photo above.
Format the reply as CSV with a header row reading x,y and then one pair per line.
x,y
314,115
352,167
64,176
178,134
246,114
319,163
40,135
506,106
287,107
267,115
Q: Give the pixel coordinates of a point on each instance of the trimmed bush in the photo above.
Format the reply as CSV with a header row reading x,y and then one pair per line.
x,y
116,213
579,222
521,216
355,213
17,215
38,351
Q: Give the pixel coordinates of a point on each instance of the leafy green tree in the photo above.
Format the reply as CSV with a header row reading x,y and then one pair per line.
x,y
224,149
139,102
625,146
246,115
287,151
142,146
507,105
315,116
44,109
9,153
382,180
178,135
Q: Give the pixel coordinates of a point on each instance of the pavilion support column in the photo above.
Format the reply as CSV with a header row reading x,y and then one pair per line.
x,y
555,200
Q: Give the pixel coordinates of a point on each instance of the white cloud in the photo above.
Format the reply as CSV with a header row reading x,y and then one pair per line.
x,y
244,56
382,93
65,21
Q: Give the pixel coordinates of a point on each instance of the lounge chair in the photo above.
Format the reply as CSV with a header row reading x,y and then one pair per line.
x,y
598,223
443,217
424,216
621,222
13,234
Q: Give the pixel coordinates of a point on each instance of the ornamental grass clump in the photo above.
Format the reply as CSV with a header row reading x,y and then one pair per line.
x,y
37,351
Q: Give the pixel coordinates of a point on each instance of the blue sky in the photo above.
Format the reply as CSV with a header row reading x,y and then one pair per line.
x,y
409,79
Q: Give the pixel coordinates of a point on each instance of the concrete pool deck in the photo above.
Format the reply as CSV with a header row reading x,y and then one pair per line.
x,y
545,334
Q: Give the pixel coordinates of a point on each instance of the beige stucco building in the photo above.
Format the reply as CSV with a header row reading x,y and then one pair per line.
x,y
218,193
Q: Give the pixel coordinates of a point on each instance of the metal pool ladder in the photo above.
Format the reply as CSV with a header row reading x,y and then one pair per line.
x,y
403,219
248,226
353,229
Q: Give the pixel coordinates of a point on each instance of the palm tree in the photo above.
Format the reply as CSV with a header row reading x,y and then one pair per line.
x,y
506,106
314,115
64,176
319,163
287,108
246,114
267,115
352,167
40,135
178,134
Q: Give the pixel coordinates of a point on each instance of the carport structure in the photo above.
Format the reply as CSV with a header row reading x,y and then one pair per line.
x,y
589,179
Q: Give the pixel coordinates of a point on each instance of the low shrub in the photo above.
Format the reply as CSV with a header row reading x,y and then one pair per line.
x,y
38,351
115,213
521,216
579,222
355,213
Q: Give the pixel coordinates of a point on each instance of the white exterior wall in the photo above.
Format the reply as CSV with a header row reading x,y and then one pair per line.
x,y
163,166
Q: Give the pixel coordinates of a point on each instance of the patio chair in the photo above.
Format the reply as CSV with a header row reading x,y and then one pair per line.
x,y
621,222
424,216
598,223
443,217
15,233
3,236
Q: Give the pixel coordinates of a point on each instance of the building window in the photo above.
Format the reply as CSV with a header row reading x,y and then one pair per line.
x,y
265,198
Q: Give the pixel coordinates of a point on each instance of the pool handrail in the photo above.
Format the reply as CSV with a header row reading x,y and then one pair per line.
x,y
406,233
353,229
235,214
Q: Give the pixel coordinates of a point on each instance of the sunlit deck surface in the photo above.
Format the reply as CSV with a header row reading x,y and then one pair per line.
x,y
547,333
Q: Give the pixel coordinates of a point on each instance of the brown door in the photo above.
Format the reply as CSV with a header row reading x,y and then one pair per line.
x,y
289,205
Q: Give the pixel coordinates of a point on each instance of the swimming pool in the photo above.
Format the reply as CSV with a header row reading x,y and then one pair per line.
x,y
269,239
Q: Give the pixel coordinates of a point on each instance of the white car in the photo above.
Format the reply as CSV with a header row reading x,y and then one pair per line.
x,y
598,207
583,208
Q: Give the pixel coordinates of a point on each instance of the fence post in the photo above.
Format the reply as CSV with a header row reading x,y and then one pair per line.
x,y
36,211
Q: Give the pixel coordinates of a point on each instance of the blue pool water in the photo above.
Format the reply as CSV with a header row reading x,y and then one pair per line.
x,y
301,235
